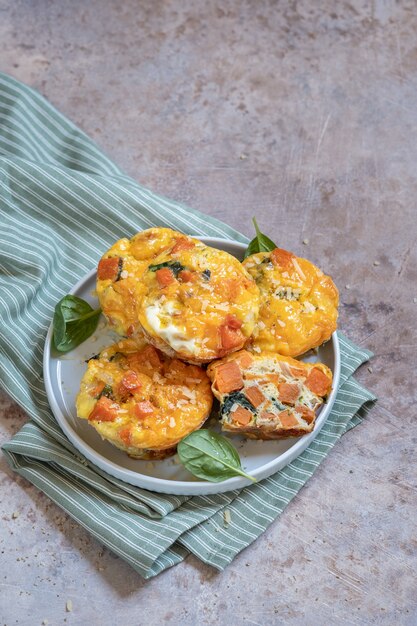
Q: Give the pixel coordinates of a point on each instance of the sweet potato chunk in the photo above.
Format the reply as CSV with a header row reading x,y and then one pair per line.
x,y
125,435
288,392
282,258
105,410
241,415
151,354
228,377
254,395
287,419
308,414
230,338
232,322
318,382
130,381
108,268
164,276
97,389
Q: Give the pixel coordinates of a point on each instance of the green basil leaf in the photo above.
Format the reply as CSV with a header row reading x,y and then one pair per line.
x,y
210,456
74,321
260,243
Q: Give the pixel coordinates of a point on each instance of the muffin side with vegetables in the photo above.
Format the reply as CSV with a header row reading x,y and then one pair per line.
x,y
298,303
268,396
119,276
142,401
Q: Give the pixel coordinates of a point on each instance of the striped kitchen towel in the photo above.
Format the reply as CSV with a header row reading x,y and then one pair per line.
x,y
62,204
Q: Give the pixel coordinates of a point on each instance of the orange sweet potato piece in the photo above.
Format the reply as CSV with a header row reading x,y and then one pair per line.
x,y
164,276
105,410
266,415
186,276
130,381
125,435
242,416
232,321
288,420
108,268
230,338
228,377
318,382
151,354
297,372
308,414
288,392
254,395
282,258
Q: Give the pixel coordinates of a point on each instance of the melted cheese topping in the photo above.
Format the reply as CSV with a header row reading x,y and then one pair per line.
x,y
176,397
121,295
208,290
298,305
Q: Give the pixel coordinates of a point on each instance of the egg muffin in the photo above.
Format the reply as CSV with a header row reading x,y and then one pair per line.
x,y
298,303
142,401
268,396
199,304
119,287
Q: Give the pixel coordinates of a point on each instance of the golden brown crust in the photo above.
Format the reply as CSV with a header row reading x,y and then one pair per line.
x,y
142,401
199,304
120,292
298,303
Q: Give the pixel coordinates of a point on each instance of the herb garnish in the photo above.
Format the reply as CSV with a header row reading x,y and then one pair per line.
x,y
74,321
260,243
210,456
174,266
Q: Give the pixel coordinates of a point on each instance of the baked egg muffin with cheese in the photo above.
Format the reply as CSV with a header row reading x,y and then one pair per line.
x,y
268,396
142,401
119,273
298,303
199,303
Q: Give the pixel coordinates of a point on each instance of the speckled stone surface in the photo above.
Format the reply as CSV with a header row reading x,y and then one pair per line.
x,y
303,114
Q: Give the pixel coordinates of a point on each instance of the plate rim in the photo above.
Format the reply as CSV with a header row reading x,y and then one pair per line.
x,y
181,487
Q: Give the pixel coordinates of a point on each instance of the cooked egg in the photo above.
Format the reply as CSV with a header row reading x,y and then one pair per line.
x,y
142,401
298,303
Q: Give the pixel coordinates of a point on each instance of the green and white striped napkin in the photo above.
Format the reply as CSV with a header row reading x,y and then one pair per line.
x,y
62,203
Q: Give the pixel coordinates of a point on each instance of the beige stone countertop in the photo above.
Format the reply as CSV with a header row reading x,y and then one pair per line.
x,y
304,114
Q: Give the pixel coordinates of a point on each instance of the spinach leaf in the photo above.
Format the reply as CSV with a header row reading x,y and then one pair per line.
x,y
107,391
239,398
260,243
74,321
119,270
174,266
210,456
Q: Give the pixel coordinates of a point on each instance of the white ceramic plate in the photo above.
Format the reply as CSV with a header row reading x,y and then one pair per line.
x,y
259,458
